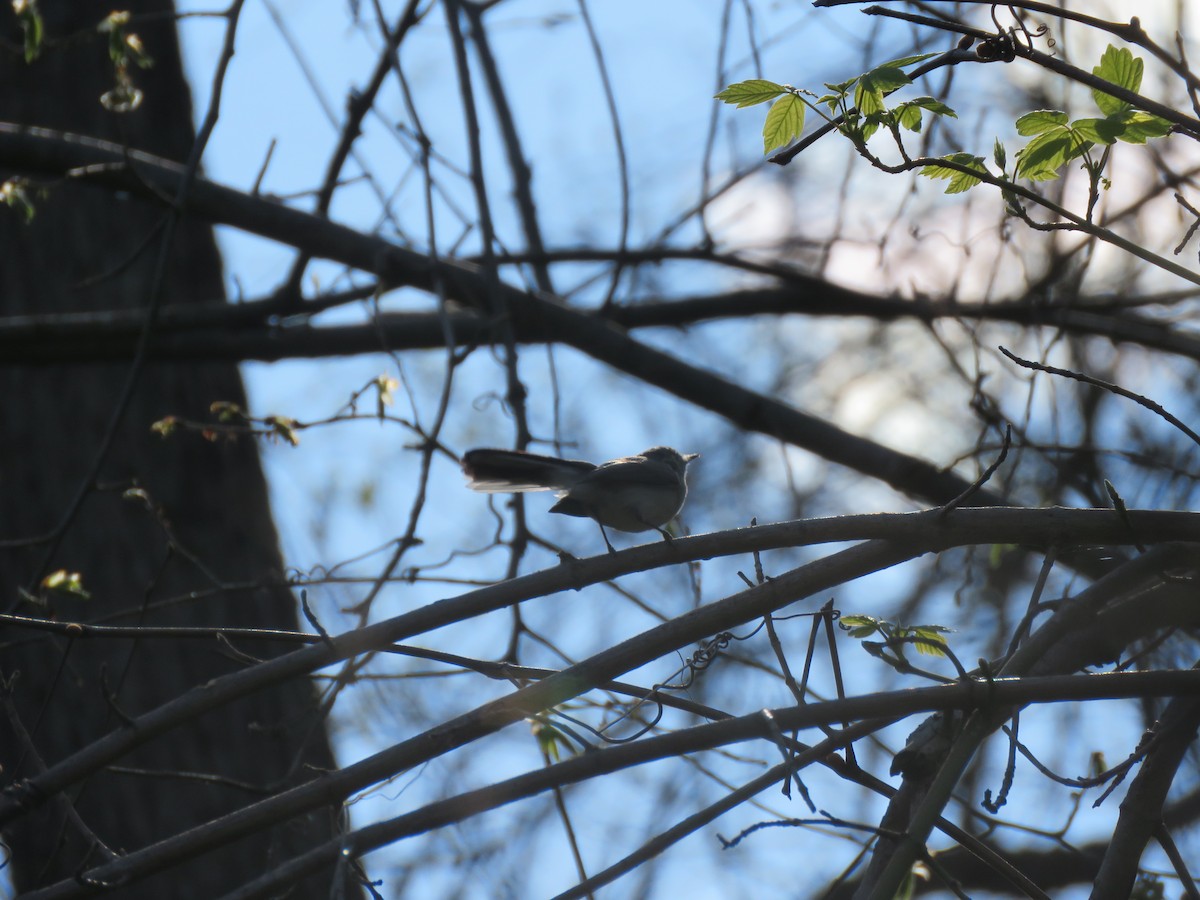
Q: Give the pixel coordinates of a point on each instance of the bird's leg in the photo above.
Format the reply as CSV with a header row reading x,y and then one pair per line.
x,y
604,534
666,534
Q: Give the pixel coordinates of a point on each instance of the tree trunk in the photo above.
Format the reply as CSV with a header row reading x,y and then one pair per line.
x,y
206,554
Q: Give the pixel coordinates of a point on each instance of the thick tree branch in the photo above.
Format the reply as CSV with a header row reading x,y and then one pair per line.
x,y
251,331
889,705
105,164
1092,526
1091,628
1142,808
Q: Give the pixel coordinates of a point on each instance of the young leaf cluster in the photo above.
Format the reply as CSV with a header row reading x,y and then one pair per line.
x,y
858,108
927,638
126,51
32,27
785,118
15,194
869,111
1058,141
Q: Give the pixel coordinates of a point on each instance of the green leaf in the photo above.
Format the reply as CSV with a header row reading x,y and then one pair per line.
x,y
35,32
884,78
872,86
751,93
227,411
284,427
931,639
1131,126
137,495
908,113
550,740
835,102
959,181
868,102
1122,68
13,194
1040,121
997,553
999,155
1012,206
908,116
1141,126
63,582
860,626
842,88
907,60
165,427
934,629
937,107
1099,131
1043,157
1057,142
873,122
785,122
387,387
123,45
854,621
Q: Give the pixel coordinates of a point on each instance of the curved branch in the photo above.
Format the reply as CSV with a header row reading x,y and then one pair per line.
x,y
887,706
1142,808
98,162
248,331
1059,527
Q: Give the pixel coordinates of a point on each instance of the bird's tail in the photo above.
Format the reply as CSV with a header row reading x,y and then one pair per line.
x,y
494,471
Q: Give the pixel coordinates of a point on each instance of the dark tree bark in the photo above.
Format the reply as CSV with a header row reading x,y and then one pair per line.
x,y
210,527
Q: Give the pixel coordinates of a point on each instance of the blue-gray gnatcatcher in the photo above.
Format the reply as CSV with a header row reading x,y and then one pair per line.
x,y
632,493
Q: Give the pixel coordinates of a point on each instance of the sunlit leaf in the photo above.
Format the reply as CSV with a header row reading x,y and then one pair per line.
x,y
1142,126
843,87
165,427
387,387
32,26
908,116
909,113
750,93
1040,121
284,428
959,181
999,155
785,122
937,107
1043,157
907,60
1122,68
226,411
872,86
14,195
931,642
63,582
1098,131
857,620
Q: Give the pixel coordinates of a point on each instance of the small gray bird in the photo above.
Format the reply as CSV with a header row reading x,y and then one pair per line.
x,y
632,493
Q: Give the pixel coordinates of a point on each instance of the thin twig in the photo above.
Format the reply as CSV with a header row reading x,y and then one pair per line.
x,y
1108,386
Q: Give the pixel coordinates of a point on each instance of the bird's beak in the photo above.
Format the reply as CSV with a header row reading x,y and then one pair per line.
x,y
688,457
